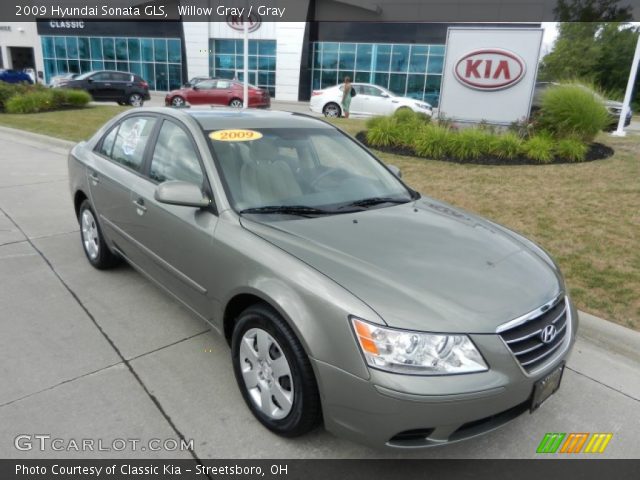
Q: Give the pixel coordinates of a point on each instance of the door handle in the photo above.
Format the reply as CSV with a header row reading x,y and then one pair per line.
x,y
140,208
93,176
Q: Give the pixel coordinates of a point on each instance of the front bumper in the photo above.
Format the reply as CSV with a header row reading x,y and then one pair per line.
x,y
405,411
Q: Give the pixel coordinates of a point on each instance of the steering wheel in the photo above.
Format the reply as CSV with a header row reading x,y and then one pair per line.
x,y
327,173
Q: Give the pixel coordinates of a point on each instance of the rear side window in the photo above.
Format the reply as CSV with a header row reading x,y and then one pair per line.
x,y
174,157
107,142
131,141
121,77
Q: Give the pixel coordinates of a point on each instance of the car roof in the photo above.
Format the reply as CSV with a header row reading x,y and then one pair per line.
x,y
226,117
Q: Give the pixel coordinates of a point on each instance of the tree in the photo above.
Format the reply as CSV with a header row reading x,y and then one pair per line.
x,y
592,11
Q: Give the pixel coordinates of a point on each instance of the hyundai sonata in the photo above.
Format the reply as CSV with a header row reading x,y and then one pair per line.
x,y
346,297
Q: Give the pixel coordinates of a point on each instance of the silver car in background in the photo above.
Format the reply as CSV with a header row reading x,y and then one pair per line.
x,y
346,297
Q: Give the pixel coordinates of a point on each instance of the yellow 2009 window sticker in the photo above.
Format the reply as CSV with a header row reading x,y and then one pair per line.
x,y
235,135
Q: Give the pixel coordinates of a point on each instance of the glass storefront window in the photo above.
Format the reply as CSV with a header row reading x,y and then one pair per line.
x,y
162,67
121,49
72,47
226,60
408,70
160,50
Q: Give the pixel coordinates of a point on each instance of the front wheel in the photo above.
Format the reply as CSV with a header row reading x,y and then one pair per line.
x,y
332,110
136,100
93,243
177,102
235,103
273,373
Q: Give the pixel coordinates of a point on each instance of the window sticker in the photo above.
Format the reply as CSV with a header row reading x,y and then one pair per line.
x,y
235,135
133,137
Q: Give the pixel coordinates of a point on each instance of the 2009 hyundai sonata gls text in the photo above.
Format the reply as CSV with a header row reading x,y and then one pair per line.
x,y
346,297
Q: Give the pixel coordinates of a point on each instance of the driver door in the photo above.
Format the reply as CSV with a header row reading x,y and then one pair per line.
x,y
379,102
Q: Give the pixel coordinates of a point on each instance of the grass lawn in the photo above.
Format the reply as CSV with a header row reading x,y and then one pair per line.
x,y
586,215
74,125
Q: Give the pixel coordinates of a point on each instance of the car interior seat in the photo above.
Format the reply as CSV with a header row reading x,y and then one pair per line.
x,y
267,179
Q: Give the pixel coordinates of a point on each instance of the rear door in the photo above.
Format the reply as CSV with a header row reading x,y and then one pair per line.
x,y
178,241
117,162
121,84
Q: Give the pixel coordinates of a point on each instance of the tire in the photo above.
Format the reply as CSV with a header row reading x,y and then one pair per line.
x,y
93,243
296,411
136,100
235,103
122,103
177,101
332,110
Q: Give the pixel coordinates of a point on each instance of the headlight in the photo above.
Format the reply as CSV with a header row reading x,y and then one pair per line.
x,y
417,353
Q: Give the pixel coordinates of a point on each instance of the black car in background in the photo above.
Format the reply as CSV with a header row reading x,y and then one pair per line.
x,y
105,85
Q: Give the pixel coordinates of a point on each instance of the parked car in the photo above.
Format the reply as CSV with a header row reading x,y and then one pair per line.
x,y
613,107
61,80
14,76
369,100
345,295
218,92
105,85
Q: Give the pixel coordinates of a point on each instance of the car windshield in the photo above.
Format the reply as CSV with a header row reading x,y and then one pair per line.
x,y
303,171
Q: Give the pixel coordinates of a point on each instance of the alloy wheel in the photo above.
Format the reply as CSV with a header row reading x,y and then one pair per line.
x,y
235,103
90,235
266,373
135,100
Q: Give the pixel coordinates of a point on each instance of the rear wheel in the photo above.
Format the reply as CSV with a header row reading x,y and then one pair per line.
x,y
93,243
273,373
136,100
235,103
332,110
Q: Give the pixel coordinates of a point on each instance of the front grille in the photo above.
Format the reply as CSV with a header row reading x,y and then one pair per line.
x,y
525,339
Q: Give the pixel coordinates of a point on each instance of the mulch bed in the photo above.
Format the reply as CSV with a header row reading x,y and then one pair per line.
x,y
597,151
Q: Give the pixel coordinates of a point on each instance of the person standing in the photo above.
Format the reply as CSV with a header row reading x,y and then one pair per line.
x,y
346,96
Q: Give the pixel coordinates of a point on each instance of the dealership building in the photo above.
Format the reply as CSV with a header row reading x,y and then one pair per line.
x,y
290,59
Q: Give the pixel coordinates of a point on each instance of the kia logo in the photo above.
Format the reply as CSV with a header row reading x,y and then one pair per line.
x,y
490,69
237,22
548,334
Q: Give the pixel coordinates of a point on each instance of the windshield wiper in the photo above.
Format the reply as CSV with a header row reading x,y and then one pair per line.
x,y
301,210
368,202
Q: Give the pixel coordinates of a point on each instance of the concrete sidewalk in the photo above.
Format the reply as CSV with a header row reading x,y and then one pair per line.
x,y
86,354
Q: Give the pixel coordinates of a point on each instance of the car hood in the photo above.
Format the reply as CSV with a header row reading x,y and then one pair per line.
x,y
423,265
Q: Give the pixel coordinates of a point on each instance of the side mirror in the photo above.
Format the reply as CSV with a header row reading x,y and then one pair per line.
x,y
184,194
90,80
194,87
395,170
384,95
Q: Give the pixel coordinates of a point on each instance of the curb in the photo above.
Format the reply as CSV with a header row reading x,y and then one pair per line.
x,y
36,137
606,334
609,335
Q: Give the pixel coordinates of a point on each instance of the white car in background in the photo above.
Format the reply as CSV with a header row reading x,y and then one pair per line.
x,y
370,100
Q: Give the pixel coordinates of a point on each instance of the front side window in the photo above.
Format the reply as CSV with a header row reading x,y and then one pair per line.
x,y
106,146
131,141
174,157
311,167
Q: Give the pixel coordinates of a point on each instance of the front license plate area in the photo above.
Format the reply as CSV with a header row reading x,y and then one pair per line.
x,y
545,387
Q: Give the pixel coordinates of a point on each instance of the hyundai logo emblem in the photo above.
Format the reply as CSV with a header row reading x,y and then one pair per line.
x,y
548,334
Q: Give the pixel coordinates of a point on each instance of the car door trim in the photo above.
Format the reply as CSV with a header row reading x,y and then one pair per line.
x,y
156,258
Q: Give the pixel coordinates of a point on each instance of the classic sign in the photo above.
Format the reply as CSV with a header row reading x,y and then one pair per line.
x,y
490,69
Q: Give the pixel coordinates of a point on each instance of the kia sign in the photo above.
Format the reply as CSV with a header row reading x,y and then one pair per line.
x,y
489,74
490,69
237,22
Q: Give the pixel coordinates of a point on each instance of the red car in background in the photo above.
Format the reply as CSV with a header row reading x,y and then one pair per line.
x,y
217,92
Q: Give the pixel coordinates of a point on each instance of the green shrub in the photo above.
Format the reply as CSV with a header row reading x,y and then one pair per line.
x,y
470,143
66,97
383,133
433,141
373,122
573,110
571,148
539,148
31,102
506,145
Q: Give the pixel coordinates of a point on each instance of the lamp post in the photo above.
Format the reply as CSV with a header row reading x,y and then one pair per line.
x,y
245,86
626,104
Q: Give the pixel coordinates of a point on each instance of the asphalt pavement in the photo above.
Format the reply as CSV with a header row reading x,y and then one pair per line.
x,y
105,355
